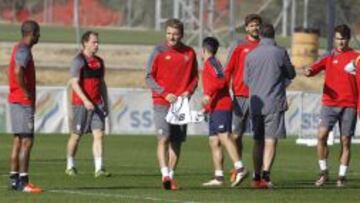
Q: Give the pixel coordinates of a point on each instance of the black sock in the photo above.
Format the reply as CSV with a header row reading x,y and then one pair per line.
x,y
14,176
256,177
14,180
266,175
24,180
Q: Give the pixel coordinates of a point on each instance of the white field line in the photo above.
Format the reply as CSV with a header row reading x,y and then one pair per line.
x,y
116,196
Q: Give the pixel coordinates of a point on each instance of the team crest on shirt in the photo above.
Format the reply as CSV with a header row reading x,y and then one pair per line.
x,y
335,61
186,57
168,57
246,50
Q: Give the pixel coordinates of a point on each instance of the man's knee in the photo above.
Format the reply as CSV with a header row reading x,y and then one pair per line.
x,y
323,134
98,134
163,140
345,142
26,142
214,142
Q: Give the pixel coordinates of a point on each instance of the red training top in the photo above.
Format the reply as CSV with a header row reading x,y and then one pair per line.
x,y
171,70
21,56
216,86
90,71
236,65
340,89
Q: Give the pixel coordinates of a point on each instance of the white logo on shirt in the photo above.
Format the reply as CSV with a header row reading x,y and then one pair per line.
x,y
246,50
186,57
221,126
168,57
335,61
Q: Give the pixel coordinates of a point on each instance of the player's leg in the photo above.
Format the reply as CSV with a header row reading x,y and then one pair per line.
x,y
14,162
72,147
347,126
274,130
217,159
241,116
77,129
329,117
26,140
217,156
23,118
268,159
222,121
177,137
258,148
26,143
97,124
163,142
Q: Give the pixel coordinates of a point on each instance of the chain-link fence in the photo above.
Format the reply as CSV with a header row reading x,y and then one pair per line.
x,y
214,17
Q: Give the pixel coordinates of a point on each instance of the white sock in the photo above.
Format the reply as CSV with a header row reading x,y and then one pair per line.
x,y
323,165
171,173
98,163
70,163
13,172
23,174
342,170
219,173
164,171
238,165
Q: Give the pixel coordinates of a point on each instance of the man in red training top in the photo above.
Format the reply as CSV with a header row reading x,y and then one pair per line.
x,y
89,103
217,102
22,97
339,102
171,72
235,71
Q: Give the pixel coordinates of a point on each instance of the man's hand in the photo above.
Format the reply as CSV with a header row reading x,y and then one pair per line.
x,y
185,94
307,71
205,101
88,105
171,98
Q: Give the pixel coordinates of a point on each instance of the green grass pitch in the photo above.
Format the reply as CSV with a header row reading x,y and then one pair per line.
x,y
136,177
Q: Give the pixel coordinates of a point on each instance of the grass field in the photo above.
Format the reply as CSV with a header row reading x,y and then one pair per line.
x,y
136,177
61,34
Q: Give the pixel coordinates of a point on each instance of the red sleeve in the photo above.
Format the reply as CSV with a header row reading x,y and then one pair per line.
x,y
207,84
318,66
211,84
194,76
230,65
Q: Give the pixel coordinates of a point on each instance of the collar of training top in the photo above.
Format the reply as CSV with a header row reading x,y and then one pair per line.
x,y
267,41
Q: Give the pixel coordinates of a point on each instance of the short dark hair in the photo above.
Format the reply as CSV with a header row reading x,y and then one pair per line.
x,y
344,30
211,44
175,23
252,17
29,27
267,31
86,36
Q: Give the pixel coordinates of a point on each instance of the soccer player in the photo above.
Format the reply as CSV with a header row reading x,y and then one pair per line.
x,y
339,102
217,102
22,97
89,103
171,72
267,72
235,70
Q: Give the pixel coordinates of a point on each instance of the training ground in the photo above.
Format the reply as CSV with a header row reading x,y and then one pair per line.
x,y
136,176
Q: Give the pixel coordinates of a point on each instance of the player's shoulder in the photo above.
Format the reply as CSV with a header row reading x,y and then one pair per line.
x,y
79,59
22,48
238,45
160,48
